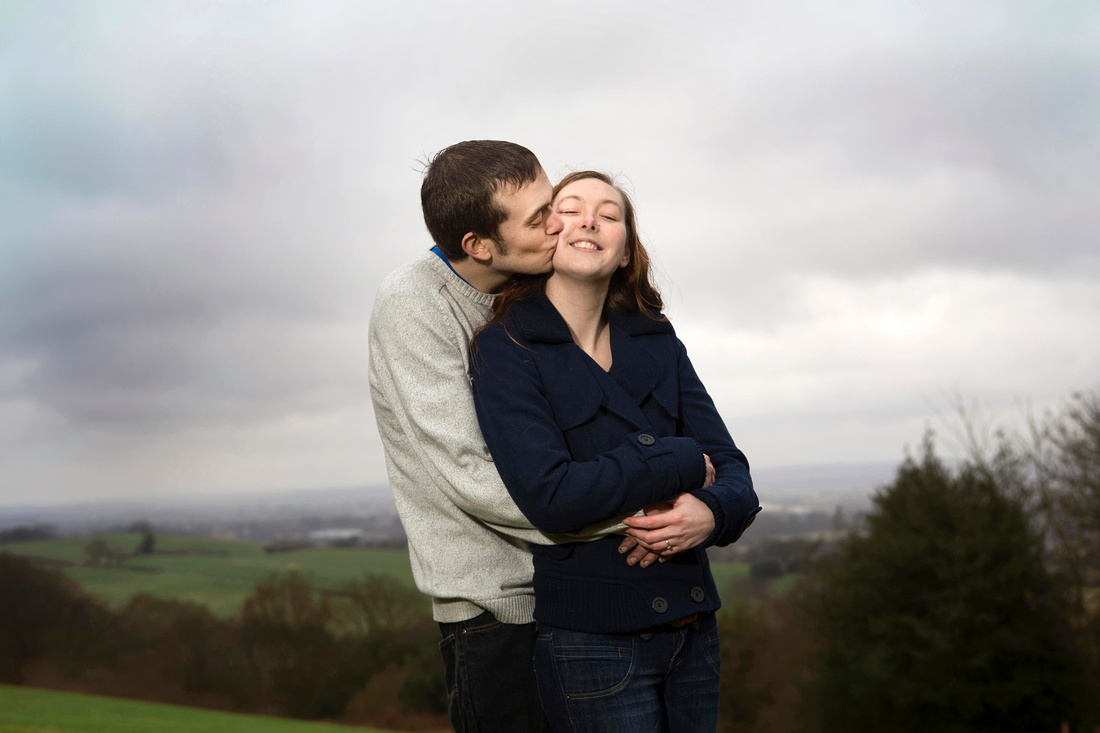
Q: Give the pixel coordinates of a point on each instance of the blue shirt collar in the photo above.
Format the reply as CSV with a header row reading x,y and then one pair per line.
x,y
448,262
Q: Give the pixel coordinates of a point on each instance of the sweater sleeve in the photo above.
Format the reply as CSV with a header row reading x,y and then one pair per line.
x,y
732,498
423,366
557,493
418,368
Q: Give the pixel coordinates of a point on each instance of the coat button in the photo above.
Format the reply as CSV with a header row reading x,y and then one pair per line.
x,y
698,595
660,605
646,439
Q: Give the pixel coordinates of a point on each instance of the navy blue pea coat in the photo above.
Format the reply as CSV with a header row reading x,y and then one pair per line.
x,y
577,445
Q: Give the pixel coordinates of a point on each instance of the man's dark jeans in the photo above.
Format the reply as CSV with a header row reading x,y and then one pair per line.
x,y
491,677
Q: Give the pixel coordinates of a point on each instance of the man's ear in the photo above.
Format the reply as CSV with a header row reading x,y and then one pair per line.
x,y
476,247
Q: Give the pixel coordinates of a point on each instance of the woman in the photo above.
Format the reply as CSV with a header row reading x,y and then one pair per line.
x,y
593,411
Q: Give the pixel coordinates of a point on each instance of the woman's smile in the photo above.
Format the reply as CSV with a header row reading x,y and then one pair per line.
x,y
586,245
593,227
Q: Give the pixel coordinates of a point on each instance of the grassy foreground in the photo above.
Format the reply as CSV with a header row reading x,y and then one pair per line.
x,y
27,710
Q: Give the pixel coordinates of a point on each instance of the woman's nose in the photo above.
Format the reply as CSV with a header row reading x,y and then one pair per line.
x,y
589,222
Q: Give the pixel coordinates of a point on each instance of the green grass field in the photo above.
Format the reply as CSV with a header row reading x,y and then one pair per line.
x,y
726,573
781,585
28,710
219,574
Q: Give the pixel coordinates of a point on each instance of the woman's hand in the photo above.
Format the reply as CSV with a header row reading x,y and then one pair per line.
x,y
668,528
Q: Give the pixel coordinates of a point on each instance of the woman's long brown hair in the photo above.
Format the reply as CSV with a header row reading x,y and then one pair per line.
x,y
631,288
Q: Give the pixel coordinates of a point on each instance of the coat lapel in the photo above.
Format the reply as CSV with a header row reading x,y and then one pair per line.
x,y
639,372
643,369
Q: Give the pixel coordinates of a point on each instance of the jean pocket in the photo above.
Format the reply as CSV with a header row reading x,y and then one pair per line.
x,y
712,647
481,628
592,665
450,667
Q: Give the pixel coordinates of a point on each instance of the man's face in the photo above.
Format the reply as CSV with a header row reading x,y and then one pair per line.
x,y
525,240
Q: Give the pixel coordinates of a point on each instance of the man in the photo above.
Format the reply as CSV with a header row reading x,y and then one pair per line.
x,y
487,206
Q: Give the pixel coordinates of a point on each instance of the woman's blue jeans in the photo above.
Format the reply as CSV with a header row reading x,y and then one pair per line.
x,y
664,680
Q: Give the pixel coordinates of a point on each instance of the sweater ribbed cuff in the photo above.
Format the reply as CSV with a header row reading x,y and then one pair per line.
x,y
511,610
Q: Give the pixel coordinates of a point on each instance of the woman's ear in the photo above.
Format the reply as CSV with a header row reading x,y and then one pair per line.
x,y
626,258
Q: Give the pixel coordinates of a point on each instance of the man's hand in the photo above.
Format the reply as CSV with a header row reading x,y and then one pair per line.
x,y
638,554
668,528
711,475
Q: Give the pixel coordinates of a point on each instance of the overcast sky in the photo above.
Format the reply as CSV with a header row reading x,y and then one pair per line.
x,y
858,210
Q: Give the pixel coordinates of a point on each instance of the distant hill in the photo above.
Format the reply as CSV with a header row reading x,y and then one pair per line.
x,y
821,487
263,517
369,513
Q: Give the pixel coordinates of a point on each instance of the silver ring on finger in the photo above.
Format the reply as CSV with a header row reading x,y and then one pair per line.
x,y
668,545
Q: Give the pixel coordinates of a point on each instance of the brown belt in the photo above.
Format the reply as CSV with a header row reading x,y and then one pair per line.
x,y
684,621
674,624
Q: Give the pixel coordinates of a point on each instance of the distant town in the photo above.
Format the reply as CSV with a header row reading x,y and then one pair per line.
x,y
801,501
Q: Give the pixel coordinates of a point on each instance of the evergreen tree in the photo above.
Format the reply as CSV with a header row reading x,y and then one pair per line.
x,y
941,614
1067,462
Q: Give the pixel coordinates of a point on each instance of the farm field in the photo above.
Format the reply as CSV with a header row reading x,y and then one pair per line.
x,y
726,574
28,710
219,574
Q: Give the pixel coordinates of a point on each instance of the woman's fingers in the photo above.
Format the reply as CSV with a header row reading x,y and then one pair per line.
x,y
661,542
667,532
656,520
657,536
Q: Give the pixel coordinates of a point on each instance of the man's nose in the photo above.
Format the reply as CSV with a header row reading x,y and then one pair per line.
x,y
554,224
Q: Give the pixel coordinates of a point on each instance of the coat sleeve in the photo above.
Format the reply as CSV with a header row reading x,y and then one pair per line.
x,y
555,492
732,498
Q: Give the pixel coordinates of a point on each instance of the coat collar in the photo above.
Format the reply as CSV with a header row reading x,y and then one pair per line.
x,y
539,322
639,366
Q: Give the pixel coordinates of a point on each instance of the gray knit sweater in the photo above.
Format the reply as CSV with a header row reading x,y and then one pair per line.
x,y
467,539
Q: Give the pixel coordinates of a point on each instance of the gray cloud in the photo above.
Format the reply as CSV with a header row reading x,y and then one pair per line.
x,y
853,207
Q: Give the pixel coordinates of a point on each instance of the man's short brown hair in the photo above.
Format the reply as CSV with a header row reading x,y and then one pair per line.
x,y
460,184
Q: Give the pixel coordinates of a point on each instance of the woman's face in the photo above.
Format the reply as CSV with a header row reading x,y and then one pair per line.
x,y
592,242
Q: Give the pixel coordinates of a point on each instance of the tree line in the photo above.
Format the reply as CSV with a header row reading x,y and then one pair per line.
x,y
967,599
365,654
